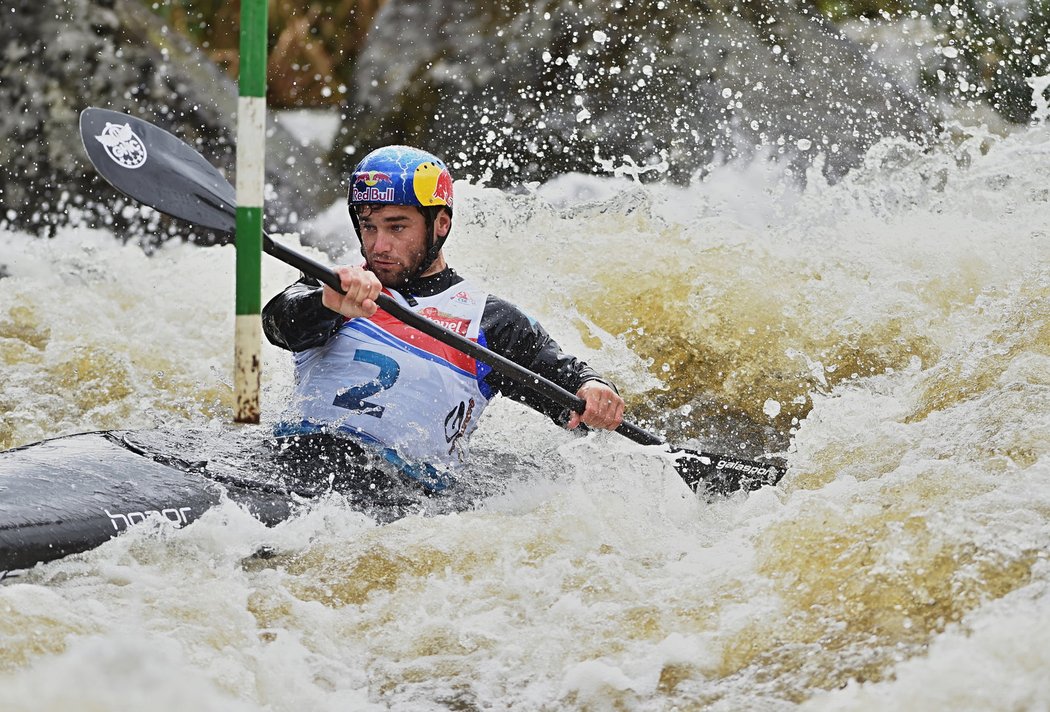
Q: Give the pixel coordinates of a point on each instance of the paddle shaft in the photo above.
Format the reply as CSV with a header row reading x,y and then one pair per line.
x,y
503,366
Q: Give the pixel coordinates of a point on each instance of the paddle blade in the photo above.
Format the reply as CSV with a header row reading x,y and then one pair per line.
x,y
153,167
721,475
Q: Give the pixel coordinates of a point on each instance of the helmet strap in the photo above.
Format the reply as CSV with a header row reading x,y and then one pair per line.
x,y
434,243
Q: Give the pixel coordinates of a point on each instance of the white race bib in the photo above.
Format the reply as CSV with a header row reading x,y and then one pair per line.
x,y
389,384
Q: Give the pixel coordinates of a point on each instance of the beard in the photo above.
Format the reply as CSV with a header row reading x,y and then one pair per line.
x,y
394,276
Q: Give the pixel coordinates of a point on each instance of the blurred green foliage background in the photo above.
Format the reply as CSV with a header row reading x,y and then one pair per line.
x,y
313,45
984,50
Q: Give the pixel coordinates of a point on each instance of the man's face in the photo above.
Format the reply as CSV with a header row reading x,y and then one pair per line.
x,y
394,241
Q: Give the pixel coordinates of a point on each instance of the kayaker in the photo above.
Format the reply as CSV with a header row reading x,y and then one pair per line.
x,y
362,373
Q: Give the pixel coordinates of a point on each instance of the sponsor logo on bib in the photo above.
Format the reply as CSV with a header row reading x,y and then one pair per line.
x,y
450,322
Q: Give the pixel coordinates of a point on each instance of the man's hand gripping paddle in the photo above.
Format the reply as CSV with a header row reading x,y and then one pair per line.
x,y
155,168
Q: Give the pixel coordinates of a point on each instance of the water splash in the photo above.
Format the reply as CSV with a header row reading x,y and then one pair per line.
x,y
1039,86
898,317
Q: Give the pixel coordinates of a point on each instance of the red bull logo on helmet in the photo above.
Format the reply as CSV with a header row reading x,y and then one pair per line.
x,y
368,188
433,184
443,191
371,178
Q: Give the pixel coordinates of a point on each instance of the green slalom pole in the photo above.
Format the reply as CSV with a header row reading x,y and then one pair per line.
x,y
251,152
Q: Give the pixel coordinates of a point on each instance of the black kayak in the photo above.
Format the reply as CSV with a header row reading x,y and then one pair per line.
x,y
70,494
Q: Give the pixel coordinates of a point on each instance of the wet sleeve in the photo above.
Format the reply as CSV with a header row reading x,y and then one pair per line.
x,y
513,335
296,320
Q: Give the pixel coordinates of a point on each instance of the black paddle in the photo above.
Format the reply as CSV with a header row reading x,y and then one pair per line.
x,y
152,166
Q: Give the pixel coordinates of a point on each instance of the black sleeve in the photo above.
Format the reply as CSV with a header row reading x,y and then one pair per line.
x,y
513,335
296,320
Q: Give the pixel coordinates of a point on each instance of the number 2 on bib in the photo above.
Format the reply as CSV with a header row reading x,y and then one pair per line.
x,y
353,398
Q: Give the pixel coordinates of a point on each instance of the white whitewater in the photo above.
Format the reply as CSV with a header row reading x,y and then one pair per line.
x,y
898,324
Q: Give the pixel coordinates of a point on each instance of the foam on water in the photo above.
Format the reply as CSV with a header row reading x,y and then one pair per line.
x,y
900,319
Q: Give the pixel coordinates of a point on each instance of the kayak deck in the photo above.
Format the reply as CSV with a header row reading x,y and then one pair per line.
x,y
70,494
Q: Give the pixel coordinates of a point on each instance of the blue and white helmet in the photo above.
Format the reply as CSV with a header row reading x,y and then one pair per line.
x,y
401,175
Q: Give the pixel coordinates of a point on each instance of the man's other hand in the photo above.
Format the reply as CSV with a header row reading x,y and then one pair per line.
x,y
604,407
